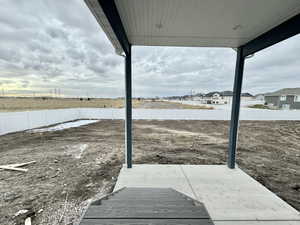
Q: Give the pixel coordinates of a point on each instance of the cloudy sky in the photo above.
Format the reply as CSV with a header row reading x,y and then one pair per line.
x,y
54,44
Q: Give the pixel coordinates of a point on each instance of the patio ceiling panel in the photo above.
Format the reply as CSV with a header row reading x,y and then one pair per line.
x,y
203,23
199,23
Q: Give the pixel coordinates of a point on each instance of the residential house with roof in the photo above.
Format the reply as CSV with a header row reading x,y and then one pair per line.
x,y
224,97
288,98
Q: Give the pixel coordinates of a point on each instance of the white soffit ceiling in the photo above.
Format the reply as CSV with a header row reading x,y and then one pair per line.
x,y
203,23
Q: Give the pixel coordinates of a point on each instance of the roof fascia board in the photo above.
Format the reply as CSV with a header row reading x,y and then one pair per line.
x,y
111,12
279,33
107,15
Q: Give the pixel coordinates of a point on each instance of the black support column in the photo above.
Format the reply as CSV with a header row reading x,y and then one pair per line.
x,y
128,108
235,111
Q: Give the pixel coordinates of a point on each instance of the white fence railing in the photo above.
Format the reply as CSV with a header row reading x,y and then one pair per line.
x,y
19,121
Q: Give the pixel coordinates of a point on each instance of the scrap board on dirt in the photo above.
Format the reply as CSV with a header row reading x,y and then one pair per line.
x,y
156,206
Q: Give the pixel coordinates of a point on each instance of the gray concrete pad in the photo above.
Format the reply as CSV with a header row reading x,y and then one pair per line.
x,y
257,222
230,196
234,195
146,175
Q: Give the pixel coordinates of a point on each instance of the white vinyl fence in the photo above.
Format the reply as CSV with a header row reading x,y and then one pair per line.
x,y
19,121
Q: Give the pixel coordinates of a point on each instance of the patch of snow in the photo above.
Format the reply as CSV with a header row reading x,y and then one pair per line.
x,y
76,150
64,126
82,148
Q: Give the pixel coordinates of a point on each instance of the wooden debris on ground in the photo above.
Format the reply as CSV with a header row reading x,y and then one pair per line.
x,y
24,216
15,167
28,221
64,210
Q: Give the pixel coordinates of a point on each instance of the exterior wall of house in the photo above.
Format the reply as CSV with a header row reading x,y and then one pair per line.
x,y
197,98
272,100
289,102
247,98
227,99
260,97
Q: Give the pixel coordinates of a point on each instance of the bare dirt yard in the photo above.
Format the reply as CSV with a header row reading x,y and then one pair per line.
x,y
78,164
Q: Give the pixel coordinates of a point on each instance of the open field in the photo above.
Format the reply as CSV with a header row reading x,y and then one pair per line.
x,y
74,165
27,104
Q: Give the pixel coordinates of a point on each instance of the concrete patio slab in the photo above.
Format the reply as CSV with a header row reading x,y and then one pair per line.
x,y
161,176
256,222
231,196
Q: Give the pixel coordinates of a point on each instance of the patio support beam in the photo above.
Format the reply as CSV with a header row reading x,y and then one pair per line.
x,y
111,12
128,108
235,111
279,33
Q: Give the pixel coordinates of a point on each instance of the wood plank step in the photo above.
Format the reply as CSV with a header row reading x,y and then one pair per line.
x,y
146,206
146,211
146,198
140,203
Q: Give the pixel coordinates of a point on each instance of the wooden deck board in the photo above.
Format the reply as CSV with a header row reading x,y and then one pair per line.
x,y
145,211
146,222
155,206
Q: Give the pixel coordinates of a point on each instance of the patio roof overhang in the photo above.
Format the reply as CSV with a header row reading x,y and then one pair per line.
x,y
195,23
247,25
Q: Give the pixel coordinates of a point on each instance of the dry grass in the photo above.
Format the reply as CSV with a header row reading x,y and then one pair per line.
x,y
260,106
23,104
186,106
26,104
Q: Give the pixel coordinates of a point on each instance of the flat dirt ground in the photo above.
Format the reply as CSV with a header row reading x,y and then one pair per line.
x,y
76,165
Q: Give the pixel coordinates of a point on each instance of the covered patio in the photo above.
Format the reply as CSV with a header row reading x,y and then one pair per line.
x,y
230,195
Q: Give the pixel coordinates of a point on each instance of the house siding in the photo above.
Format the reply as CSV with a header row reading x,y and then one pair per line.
x,y
272,100
290,100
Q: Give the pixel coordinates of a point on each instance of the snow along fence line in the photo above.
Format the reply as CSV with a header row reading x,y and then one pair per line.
x,y
19,121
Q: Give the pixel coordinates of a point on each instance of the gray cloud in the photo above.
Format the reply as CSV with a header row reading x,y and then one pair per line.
x,y
58,44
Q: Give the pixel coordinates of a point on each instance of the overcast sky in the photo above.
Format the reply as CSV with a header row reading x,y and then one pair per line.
x,y
56,44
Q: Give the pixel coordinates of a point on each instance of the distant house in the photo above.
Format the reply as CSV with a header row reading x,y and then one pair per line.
x,y
260,97
287,98
215,97
247,97
289,101
224,97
